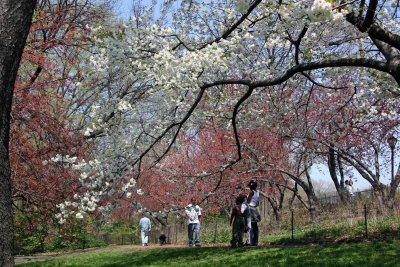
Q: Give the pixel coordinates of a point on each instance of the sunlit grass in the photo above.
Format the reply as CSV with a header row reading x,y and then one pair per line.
x,y
352,254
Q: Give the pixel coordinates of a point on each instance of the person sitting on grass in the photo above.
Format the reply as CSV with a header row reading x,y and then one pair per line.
x,y
238,219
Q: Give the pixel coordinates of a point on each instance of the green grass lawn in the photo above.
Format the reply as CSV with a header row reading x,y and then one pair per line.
x,y
351,254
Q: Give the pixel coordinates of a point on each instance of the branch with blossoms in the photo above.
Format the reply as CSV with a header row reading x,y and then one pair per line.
x,y
181,79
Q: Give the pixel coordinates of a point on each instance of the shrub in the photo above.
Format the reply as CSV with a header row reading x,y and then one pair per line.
x,y
30,232
222,236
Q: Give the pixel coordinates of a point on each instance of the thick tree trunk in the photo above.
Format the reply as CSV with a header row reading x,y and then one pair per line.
x,y
312,210
393,186
332,172
275,208
15,21
312,202
278,216
312,198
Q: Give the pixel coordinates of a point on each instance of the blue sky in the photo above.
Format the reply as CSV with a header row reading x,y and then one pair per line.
x,y
124,8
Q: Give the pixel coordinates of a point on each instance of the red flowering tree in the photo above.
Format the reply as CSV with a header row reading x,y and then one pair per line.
x,y
198,167
42,126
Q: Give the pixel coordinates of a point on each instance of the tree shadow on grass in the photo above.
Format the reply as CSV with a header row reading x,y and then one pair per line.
x,y
356,254
346,254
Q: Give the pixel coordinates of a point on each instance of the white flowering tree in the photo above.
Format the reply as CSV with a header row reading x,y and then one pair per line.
x,y
154,79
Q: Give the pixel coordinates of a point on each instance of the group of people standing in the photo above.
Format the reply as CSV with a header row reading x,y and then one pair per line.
x,y
245,216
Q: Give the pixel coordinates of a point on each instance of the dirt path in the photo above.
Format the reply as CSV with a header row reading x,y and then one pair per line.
x,y
53,255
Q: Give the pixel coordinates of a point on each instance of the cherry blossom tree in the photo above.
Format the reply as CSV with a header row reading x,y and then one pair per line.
x,y
157,77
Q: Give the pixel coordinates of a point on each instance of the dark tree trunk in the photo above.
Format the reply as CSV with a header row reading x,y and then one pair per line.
x,y
393,187
15,21
275,208
277,203
332,171
312,199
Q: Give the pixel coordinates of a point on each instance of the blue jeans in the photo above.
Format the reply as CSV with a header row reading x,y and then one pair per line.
x,y
194,228
254,234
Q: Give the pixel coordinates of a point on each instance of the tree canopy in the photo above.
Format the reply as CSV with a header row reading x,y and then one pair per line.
x,y
241,65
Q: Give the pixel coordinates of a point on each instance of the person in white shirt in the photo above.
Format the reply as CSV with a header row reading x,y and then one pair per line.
x,y
193,214
252,200
245,208
145,227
